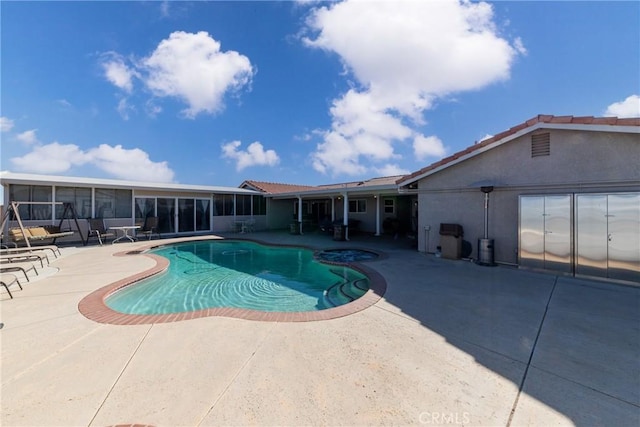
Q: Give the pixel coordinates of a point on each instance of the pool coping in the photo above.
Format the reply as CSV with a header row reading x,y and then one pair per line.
x,y
93,306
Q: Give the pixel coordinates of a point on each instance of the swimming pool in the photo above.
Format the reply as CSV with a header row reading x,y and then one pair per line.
x,y
240,274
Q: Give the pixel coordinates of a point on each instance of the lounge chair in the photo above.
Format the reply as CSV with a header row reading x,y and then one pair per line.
x,y
150,227
97,229
7,280
25,256
24,267
55,251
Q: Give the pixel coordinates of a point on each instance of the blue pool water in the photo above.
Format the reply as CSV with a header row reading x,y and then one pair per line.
x,y
241,274
346,255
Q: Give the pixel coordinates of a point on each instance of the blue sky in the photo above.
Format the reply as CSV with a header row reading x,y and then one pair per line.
x,y
214,93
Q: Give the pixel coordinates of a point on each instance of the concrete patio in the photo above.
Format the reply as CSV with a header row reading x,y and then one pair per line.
x,y
450,343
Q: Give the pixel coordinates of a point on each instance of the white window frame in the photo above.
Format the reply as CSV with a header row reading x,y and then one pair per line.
x,y
358,205
387,205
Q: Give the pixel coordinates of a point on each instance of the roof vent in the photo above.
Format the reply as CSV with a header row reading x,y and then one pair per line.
x,y
540,144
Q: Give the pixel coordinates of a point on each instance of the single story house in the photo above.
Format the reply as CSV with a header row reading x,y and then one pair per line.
x,y
558,193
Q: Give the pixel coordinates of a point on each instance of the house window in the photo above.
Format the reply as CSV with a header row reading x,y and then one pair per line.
x,y
243,204
540,144
111,203
259,205
79,197
389,206
223,205
32,193
357,206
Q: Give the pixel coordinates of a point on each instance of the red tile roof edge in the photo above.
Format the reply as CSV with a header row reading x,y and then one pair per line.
x,y
541,118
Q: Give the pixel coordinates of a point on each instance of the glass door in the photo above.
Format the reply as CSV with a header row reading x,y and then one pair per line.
x,y
203,214
145,207
166,215
186,215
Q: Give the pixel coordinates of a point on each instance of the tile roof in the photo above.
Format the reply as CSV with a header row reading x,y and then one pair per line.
x,y
540,119
277,188
274,187
373,182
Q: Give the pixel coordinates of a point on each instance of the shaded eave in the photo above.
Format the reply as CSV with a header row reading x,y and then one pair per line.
x,y
381,190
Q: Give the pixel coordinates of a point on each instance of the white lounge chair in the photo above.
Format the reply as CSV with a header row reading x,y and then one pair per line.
x,y
7,280
24,267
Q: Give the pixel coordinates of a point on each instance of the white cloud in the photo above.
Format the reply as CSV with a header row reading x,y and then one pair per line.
x,y
404,55
360,128
391,170
630,107
6,124
117,72
164,9
64,103
255,155
28,137
188,66
152,109
131,164
51,158
124,108
428,146
121,163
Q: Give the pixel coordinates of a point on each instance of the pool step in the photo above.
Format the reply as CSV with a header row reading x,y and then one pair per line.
x,y
343,292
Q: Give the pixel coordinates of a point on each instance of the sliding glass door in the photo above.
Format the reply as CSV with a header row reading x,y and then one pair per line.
x,y
166,215
186,212
203,214
192,214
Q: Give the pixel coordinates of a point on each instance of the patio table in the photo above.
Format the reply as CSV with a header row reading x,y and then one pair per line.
x,y
125,229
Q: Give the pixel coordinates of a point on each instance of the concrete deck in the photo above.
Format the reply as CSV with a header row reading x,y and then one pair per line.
x,y
450,343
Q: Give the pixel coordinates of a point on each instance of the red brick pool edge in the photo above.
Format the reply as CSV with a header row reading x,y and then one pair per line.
x,y
93,306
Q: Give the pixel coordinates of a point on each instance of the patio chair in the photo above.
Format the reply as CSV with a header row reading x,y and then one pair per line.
x,y
24,267
25,256
7,280
150,227
97,229
55,251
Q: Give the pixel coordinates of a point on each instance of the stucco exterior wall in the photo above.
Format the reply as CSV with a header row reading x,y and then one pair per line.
x,y
579,162
279,214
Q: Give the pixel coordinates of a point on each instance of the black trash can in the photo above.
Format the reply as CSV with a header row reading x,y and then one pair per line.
x,y
451,240
339,232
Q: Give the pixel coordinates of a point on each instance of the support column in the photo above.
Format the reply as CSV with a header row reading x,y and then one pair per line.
x,y
333,209
377,197
300,213
345,215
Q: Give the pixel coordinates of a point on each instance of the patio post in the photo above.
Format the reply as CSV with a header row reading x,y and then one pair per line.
x,y
300,213
345,215
377,197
